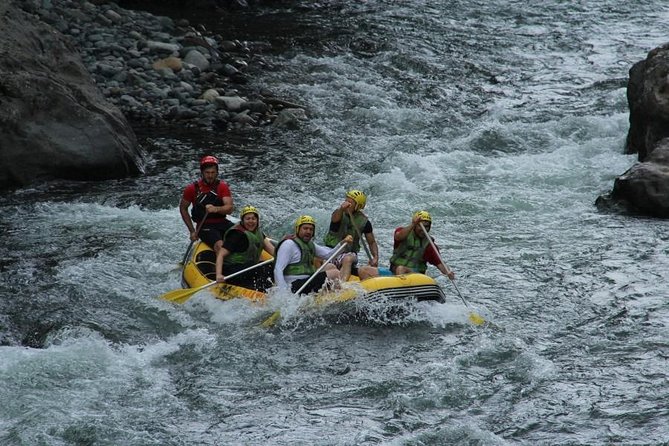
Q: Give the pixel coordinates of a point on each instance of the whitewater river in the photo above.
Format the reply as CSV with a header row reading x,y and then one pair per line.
x,y
504,119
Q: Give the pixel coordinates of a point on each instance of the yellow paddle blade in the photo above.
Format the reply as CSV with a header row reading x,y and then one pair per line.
x,y
476,319
270,321
179,296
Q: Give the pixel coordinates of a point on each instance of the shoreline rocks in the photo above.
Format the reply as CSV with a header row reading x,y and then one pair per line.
x,y
159,71
76,75
644,188
54,121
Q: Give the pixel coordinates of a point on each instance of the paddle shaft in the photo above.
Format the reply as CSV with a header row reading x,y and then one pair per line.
x,y
329,259
197,232
441,260
181,295
363,242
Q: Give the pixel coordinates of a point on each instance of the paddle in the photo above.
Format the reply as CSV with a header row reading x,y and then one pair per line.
x,y
321,268
197,232
363,242
473,317
182,295
275,316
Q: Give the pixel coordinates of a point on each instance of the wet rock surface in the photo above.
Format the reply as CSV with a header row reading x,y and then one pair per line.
x,y
55,123
644,188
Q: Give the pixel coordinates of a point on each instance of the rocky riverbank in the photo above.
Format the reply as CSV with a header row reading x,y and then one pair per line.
x,y
160,71
644,188
76,73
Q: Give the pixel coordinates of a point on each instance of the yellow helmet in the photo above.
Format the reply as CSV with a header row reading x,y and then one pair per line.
x,y
248,210
423,215
303,220
359,197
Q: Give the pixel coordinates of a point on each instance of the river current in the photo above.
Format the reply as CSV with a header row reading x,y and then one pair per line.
x,y
504,119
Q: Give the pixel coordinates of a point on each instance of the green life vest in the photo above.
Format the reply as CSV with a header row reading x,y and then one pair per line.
x,y
252,254
346,228
306,264
410,253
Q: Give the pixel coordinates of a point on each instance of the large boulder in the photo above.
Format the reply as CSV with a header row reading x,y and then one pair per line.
x,y
648,99
644,188
54,122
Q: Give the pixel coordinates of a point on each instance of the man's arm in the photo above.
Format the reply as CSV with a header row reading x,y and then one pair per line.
x,y
226,209
432,256
373,248
281,261
183,210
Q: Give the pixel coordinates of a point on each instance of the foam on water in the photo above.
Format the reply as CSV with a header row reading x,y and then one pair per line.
x,y
504,120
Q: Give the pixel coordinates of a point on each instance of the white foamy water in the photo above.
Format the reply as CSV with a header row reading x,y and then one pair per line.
x,y
505,120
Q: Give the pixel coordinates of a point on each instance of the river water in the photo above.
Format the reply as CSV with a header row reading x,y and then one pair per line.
x,y
504,119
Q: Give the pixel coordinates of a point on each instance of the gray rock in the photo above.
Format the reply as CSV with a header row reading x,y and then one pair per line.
x,y
290,118
53,120
162,47
197,59
230,103
644,188
648,99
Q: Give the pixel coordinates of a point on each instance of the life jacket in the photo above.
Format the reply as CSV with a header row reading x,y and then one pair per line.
x,y
346,227
252,254
202,199
410,253
306,264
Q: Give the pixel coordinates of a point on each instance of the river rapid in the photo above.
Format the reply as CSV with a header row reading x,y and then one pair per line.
x,y
504,119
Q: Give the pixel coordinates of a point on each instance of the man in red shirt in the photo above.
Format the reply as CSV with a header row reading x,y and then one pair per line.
x,y
212,202
413,251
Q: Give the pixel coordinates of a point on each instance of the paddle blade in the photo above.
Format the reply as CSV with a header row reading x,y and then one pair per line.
x,y
476,319
179,296
270,321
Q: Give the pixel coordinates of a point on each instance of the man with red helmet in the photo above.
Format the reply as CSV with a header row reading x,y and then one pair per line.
x,y
212,202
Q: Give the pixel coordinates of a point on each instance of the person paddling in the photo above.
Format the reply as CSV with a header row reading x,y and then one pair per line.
x,y
211,202
348,219
242,247
412,249
295,255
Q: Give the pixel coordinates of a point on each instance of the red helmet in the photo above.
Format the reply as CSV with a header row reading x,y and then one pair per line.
x,y
208,161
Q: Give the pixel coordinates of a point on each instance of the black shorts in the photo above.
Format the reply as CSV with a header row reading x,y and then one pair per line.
x,y
315,284
210,233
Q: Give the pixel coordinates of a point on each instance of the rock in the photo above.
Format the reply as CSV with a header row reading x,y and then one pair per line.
x,y
197,59
290,118
648,98
54,121
256,107
162,47
210,95
644,188
173,63
230,103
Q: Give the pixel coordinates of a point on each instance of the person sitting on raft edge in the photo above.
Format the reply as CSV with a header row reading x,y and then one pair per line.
x,y
348,219
413,251
295,255
212,202
242,248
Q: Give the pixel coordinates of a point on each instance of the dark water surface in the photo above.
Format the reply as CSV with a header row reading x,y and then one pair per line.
x,y
504,119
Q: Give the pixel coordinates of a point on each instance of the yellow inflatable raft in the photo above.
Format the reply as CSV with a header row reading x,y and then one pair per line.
x,y
200,269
